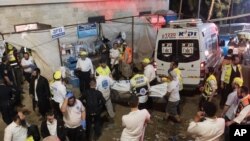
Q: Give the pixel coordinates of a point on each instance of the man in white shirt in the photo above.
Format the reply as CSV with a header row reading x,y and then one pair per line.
x,y
149,71
103,84
17,130
53,127
58,91
173,97
28,65
211,128
243,109
232,102
135,122
86,70
74,117
114,55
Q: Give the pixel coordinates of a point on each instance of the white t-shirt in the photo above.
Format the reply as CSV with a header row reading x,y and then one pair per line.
x,y
149,72
232,101
242,115
208,130
58,91
85,65
52,127
134,124
173,89
28,62
73,115
114,53
14,132
103,84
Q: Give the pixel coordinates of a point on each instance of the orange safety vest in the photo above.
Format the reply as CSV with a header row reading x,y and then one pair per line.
x,y
243,103
127,51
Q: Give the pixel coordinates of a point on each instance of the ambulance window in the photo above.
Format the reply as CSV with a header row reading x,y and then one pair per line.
x,y
166,50
188,50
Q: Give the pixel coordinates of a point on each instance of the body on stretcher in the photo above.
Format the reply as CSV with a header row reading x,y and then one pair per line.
x,y
123,86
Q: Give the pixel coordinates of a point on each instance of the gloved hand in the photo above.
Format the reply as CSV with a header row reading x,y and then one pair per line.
x,y
83,123
69,94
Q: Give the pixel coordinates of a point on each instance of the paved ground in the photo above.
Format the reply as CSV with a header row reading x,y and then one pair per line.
x,y
159,130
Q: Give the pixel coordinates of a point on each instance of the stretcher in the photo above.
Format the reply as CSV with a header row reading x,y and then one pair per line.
x,y
123,86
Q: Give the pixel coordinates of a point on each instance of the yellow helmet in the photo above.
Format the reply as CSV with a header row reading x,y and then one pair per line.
x,y
57,75
238,81
10,47
146,60
83,53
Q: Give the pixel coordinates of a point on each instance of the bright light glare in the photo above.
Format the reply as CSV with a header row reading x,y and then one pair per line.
x,y
206,53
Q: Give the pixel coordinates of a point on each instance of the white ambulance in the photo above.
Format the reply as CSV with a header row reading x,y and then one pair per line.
x,y
193,44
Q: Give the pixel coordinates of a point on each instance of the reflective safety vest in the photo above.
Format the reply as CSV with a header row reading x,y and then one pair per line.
x,y
229,72
208,88
140,88
103,71
30,138
179,75
127,51
243,103
11,56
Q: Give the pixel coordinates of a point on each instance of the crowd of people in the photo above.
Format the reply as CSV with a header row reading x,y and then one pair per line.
x,y
65,116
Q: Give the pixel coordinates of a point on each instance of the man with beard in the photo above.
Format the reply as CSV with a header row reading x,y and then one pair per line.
x,y
74,116
17,130
40,92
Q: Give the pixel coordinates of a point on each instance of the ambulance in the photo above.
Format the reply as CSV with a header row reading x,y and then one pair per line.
x,y
193,44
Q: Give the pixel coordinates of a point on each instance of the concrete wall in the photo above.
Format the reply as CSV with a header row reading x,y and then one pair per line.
x,y
64,12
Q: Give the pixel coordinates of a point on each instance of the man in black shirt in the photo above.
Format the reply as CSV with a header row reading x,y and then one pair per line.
x,y
6,102
94,103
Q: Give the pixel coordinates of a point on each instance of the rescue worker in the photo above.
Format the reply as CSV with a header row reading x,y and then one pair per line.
x,y
85,68
209,89
140,86
103,69
103,84
149,71
12,56
173,97
228,58
126,61
229,72
74,117
243,109
58,91
174,67
232,100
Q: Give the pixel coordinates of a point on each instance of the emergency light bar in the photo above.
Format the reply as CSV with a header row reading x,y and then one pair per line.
x,y
185,23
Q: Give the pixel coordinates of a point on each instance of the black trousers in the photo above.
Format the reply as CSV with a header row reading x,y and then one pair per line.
x,y
95,121
75,134
56,109
27,76
84,81
224,93
7,111
202,101
44,106
116,73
